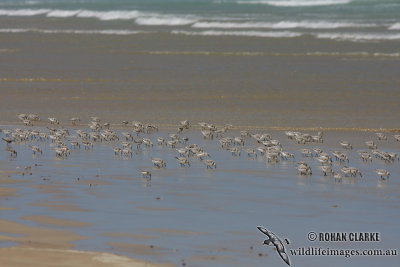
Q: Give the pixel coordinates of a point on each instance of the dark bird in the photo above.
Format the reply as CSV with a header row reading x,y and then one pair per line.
x,y
273,240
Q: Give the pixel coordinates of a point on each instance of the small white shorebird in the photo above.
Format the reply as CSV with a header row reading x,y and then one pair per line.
x,y
126,152
397,137
365,156
36,149
183,161
22,116
87,144
145,174
338,177
126,145
238,140
383,173
381,136
161,140
185,124
158,162
326,169
251,152
352,171
53,121
75,120
207,134
147,142
371,145
286,155
324,159
27,122
138,142
33,117
182,151
346,145
306,152
173,143
303,168
202,154
75,144
340,156
127,136
235,151
210,164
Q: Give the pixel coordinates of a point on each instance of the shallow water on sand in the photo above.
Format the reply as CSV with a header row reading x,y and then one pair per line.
x,y
207,216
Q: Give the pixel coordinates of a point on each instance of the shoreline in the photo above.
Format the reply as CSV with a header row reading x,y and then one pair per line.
x,y
233,127
32,256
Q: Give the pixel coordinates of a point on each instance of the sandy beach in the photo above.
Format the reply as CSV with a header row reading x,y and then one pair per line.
x,y
293,127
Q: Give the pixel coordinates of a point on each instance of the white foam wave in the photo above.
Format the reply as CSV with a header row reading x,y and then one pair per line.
x,y
109,15
358,37
47,31
283,34
281,25
395,26
295,3
14,30
165,20
252,53
23,12
63,13
142,18
101,15
353,54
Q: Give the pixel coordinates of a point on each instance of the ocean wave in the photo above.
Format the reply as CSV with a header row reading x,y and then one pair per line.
x,y
101,15
63,13
395,26
23,12
295,3
109,15
46,31
352,54
284,34
282,25
164,20
358,37
141,18
276,54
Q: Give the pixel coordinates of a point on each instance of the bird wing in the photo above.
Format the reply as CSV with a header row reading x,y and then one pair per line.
x,y
281,249
284,257
266,232
277,243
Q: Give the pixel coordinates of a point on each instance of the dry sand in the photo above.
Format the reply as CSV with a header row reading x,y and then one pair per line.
x,y
43,257
39,246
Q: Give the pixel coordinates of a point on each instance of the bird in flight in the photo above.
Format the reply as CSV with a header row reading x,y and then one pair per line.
x,y
273,240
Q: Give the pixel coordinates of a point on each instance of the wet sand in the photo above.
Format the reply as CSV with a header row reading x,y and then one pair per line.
x,y
43,245
193,215
120,77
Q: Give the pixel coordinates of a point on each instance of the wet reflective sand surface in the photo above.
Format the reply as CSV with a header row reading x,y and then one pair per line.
x,y
94,200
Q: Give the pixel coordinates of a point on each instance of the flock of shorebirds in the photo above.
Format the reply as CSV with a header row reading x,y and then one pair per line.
x,y
62,142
